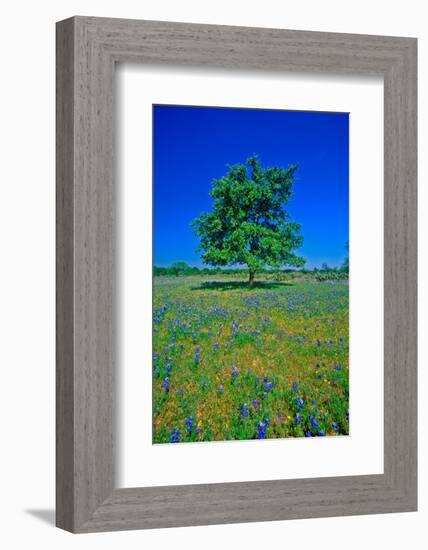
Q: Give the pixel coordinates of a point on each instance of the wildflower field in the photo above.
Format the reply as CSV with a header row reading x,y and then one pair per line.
x,y
233,362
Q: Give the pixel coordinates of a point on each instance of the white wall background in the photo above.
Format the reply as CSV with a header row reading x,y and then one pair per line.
x,y
27,271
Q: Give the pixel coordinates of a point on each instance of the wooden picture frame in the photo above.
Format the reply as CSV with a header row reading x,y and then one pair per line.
x,y
87,50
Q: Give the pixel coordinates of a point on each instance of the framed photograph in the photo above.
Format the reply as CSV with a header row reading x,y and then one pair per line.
x,y
236,274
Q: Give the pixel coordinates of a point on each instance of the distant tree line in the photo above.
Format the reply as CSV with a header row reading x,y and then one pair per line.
x,y
325,273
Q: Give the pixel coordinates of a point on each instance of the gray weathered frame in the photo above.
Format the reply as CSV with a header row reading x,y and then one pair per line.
x,y
87,50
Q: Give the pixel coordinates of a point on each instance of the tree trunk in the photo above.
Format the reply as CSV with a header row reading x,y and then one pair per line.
x,y
251,279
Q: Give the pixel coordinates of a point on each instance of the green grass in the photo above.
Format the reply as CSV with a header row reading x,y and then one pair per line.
x,y
268,361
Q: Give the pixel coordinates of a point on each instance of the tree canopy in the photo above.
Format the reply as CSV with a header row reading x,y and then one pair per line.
x,y
248,224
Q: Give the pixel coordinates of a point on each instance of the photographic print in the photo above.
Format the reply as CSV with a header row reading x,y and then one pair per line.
x,y
250,274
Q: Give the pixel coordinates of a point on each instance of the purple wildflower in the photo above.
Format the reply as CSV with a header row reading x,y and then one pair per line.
x,y
300,403
261,430
189,423
268,386
175,436
313,422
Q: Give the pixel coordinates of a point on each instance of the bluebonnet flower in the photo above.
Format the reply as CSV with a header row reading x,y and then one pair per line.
x,y
321,433
189,423
155,357
198,430
215,346
197,354
165,384
336,367
244,410
235,372
300,403
261,430
335,426
319,376
168,368
297,418
295,387
255,404
268,386
264,395
347,416
235,324
318,343
308,434
175,436
221,389
265,379
313,422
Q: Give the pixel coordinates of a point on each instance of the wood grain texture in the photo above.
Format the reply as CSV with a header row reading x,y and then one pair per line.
x,y
87,50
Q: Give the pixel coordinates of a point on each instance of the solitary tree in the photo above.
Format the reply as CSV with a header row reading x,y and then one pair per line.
x,y
179,268
248,224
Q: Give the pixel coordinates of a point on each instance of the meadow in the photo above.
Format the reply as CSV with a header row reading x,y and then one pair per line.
x,y
233,362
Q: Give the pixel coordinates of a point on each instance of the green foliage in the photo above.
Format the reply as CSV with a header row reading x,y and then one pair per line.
x,y
331,274
345,265
248,224
179,268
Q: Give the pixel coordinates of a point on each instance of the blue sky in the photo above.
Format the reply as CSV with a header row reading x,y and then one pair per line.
x,y
193,145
